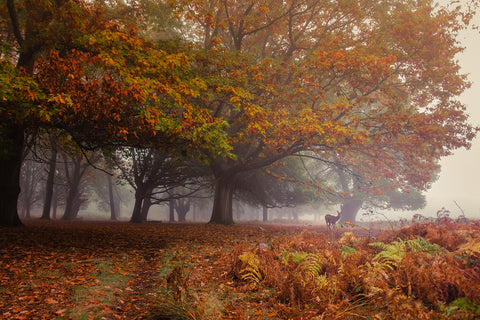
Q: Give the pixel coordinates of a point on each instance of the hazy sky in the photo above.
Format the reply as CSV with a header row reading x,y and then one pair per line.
x,y
460,176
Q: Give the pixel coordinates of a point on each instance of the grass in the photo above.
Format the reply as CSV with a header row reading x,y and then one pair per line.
x,y
91,299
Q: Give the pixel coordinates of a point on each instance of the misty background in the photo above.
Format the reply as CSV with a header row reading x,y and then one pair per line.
x,y
460,174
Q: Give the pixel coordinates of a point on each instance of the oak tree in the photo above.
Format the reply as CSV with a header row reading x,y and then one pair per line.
x,y
373,83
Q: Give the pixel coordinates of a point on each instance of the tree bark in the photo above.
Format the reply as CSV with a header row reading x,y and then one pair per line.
x,y
11,157
171,210
142,204
55,202
222,205
52,164
137,208
113,214
73,192
12,144
350,209
147,203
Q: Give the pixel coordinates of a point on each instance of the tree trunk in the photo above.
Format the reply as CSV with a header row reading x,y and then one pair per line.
x,y
171,210
182,206
350,209
73,196
137,210
55,202
147,203
69,213
265,214
222,204
113,214
77,203
142,204
13,138
50,181
11,157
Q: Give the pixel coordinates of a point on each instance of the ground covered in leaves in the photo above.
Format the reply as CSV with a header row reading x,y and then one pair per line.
x,y
118,270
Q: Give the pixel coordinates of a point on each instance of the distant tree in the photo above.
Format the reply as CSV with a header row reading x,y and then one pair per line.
x,y
182,206
104,188
31,178
153,174
52,143
75,175
281,185
347,186
111,199
171,210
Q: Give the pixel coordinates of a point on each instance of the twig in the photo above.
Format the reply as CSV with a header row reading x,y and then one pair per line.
x,y
463,213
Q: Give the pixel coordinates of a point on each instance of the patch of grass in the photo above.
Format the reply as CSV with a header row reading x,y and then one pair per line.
x,y
184,295
190,304
91,299
69,265
49,275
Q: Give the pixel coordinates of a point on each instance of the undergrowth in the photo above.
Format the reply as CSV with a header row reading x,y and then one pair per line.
x,y
417,272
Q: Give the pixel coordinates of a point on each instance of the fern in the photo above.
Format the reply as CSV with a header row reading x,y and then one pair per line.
x,y
346,250
464,305
251,270
313,266
348,239
395,251
251,274
295,257
471,250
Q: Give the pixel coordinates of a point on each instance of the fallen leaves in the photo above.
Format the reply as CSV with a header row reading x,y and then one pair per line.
x,y
68,269
115,270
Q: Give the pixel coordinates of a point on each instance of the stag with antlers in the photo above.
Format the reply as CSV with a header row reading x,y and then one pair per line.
x,y
331,219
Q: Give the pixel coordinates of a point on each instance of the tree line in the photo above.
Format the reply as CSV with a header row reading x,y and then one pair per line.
x,y
265,101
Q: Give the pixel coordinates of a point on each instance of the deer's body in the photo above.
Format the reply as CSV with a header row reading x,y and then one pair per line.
x,y
331,220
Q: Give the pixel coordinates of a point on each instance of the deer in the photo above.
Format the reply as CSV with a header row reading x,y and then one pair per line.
x,y
331,220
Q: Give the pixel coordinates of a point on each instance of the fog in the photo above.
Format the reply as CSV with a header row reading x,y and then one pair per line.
x,y
460,174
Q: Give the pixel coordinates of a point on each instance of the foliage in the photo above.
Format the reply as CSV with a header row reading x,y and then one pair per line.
x,y
401,279
98,79
280,185
82,68
250,271
149,271
395,251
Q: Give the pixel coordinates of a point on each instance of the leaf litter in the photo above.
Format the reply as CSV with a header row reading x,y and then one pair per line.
x,y
119,270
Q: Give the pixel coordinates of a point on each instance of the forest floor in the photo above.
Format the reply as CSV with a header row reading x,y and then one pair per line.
x,y
119,270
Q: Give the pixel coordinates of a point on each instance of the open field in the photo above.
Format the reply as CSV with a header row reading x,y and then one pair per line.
x,y
118,270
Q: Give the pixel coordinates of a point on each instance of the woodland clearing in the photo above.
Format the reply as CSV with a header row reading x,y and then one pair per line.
x,y
118,270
